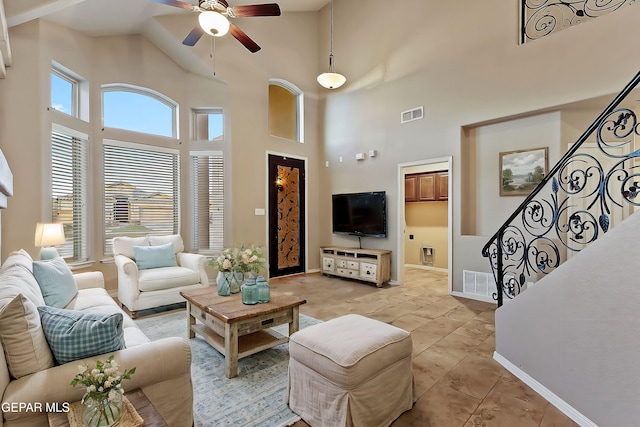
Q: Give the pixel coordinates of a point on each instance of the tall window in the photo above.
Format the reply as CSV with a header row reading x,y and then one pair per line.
x,y
69,190
207,193
286,110
141,191
139,109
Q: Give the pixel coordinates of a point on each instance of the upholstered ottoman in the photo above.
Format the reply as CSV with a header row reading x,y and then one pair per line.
x,y
350,371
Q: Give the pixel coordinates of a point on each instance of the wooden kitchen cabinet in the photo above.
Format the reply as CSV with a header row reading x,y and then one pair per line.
x,y
426,187
410,188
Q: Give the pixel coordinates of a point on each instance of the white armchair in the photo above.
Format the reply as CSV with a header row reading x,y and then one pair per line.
x,y
144,288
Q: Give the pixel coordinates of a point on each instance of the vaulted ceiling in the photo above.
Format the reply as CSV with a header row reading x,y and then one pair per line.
x,y
109,17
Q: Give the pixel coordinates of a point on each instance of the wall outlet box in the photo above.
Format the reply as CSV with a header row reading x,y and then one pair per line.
x,y
259,211
373,153
359,156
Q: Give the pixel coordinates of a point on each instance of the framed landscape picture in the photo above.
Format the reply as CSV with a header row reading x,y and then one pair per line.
x,y
522,170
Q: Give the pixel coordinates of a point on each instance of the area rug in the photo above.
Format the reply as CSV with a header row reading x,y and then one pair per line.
x,y
256,397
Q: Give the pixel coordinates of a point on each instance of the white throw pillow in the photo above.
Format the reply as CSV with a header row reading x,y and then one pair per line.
x,y
124,245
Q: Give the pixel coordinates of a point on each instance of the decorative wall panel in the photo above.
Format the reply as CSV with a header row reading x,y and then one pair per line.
x,y
540,18
288,184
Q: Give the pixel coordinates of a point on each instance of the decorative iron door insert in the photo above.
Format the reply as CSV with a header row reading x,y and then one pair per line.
x,y
286,216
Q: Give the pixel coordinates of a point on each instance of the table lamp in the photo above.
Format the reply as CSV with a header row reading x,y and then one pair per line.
x,y
48,235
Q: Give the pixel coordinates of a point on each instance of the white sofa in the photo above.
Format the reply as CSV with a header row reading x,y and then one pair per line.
x,y
140,289
163,367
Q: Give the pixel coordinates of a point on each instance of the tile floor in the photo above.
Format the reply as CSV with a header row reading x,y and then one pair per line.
x,y
457,380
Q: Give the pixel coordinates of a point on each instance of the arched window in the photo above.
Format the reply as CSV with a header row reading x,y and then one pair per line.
x,y
286,110
139,109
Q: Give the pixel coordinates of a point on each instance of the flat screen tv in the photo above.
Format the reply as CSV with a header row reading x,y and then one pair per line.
x,y
360,214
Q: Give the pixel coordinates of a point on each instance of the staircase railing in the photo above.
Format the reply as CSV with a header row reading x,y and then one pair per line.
x,y
593,186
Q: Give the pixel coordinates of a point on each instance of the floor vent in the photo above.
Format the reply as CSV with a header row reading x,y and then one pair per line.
x,y
478,283
411,115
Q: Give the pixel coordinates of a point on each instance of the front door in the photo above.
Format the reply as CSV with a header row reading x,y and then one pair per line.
x,y
286,215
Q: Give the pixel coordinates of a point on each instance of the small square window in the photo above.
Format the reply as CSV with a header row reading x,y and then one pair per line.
x,y
63,93
209,125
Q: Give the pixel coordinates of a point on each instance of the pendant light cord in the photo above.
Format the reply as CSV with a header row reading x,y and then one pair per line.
x,y
331,36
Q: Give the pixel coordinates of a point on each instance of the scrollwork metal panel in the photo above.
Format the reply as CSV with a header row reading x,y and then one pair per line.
x,y
543,17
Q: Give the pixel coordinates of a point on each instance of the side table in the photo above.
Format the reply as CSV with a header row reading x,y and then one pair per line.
x,y
143,405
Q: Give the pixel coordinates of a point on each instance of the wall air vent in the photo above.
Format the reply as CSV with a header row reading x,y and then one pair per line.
x,y
478,283
411,115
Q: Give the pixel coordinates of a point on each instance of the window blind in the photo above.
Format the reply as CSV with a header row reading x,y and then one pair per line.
x,y
141,191
69,160
207,193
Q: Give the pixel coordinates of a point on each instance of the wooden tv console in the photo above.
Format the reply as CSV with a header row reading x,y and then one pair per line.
x,y
370,265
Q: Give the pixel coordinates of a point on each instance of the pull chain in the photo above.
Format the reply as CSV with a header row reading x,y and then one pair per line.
x,y
211,54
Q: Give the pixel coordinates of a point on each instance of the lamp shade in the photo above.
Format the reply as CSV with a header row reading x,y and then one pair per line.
x,y
49,234
213,23
331,80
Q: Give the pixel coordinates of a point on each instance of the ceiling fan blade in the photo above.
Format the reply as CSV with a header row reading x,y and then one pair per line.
x,y
243,38
176,3
270,9
193,37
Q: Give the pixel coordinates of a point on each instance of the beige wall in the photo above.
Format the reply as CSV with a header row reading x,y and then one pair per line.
x,y
463,64
579,346
243,93
427,222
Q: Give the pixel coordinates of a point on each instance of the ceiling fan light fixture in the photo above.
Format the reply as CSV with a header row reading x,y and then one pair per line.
x,y
213,23
331,79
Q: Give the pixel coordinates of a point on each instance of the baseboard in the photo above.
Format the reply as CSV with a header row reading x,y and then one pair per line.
x,y
427,267
483,298
556,401
315,270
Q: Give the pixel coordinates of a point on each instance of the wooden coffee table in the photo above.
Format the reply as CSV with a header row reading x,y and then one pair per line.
x,y
238,330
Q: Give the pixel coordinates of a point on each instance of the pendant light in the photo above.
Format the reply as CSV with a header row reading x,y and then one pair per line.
x,y
331,80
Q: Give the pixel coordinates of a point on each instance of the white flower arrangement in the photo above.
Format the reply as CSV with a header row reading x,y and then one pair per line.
x,y
104,378
240,259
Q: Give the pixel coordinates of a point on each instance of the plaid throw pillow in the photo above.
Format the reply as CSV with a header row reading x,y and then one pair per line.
x,y
74,335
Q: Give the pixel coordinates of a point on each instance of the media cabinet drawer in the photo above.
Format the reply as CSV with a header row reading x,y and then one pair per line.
x,y
353,265
347,272
341,263
368,270
328,264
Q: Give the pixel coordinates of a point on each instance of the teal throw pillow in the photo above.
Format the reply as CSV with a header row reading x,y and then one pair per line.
x,y
155,256
74,335
56,282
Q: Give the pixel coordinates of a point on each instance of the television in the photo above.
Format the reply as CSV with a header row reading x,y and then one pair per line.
x,y
360,214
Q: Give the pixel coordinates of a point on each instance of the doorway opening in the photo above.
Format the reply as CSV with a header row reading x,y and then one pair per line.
x,y
425,216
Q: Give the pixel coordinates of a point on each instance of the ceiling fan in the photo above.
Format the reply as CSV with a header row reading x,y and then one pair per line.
x,y
213,18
